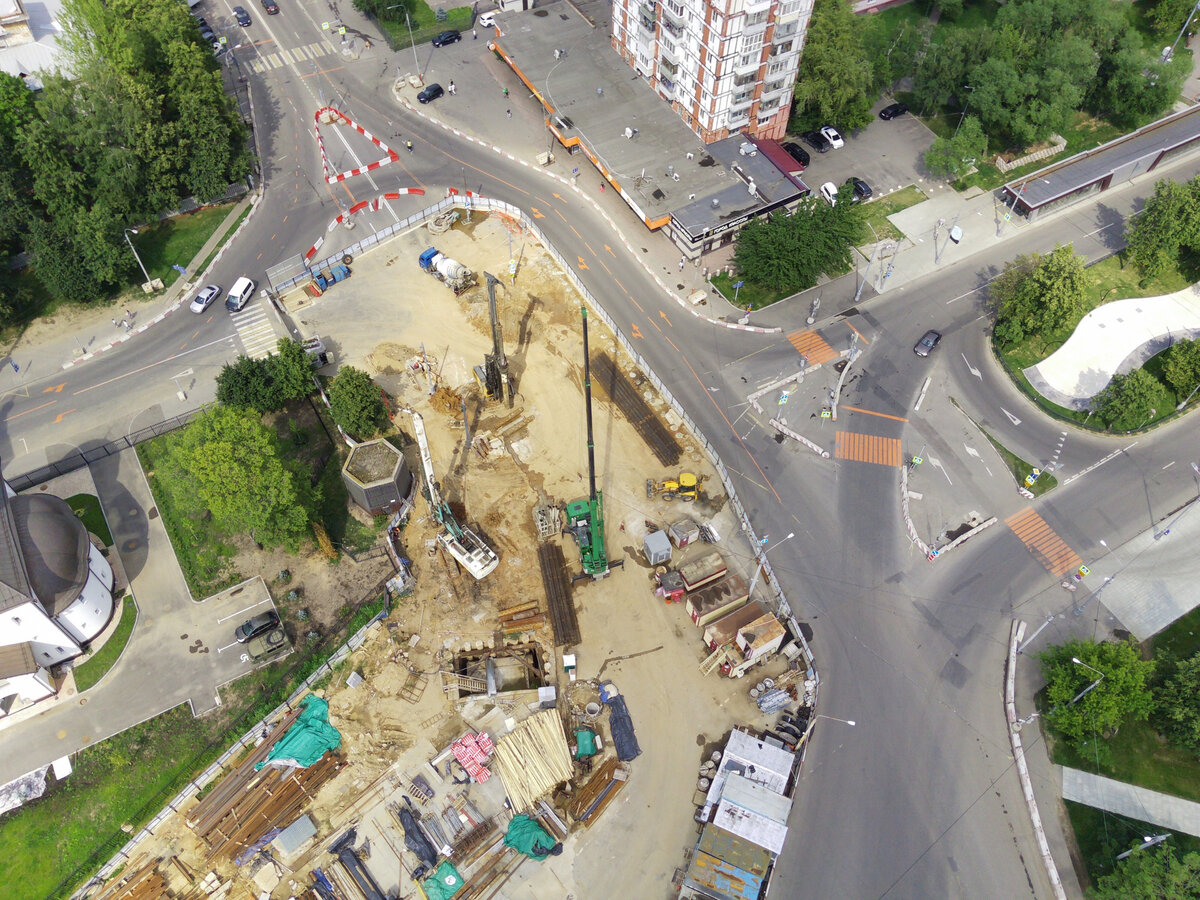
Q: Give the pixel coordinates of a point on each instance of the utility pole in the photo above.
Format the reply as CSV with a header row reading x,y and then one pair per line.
x,y
135,253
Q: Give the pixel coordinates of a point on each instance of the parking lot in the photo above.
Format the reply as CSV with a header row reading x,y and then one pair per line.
x,y
886,155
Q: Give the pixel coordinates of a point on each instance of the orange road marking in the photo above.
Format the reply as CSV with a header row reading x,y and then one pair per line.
x,y
868,448
610,251
60,416
284,220
1047,547
859,333
537,213
274,235
582,264
590,250
637,332
54,388
814,347
664,315
869,412
35,409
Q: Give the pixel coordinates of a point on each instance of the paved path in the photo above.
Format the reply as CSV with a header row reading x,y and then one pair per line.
x,y
1131,801
1116,337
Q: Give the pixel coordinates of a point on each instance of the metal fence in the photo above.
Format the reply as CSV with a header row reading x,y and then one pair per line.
x,y
85,456
398,36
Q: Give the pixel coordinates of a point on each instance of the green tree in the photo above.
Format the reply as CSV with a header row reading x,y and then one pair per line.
x,y
250,383
946,67
231,464
835,75
1133,86
895,57
1181,367
356,403
788,253
292,370
950,9
1039,294
1177,701
1168,16
954,157
1169,222
1155,874
1129,401
1081,709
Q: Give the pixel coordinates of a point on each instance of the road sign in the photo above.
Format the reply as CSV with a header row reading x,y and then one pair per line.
x,y
324,26
738,284
917,460
1032,477
342,29
1084,570
826,414
13,363
783,398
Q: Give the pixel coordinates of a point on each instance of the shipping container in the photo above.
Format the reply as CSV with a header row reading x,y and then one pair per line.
x,y
705,570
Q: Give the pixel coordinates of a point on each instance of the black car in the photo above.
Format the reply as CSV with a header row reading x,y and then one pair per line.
x,y
432,92
862,190
243,17
270,6
796,152
929,340
817,141
206,33
446,37
260,624
891,112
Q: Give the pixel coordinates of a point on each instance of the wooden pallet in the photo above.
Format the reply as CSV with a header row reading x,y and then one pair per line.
x,y
414,687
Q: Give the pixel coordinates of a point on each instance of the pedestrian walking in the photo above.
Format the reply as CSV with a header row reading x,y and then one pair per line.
x,y
602,187
114,323
474,35
681,264
408,145
505,92
129,313
451,89
508,112
128,325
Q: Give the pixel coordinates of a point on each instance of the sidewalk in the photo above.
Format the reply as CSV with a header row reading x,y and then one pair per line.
x,y
50,345
1131,801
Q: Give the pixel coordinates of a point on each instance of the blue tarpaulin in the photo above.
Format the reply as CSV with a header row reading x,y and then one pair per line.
x,y
624,740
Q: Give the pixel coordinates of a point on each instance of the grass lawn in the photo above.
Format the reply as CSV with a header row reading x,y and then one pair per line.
x,y
425,25
1101,836
1181,637
95,668
1020,468
878,210
749,296
176,240
228,231
87,507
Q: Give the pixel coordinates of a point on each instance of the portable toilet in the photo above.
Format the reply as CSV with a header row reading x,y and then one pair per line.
x,y
657,547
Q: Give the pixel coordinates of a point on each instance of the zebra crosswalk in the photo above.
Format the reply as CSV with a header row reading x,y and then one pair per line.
x,y
273,60
1047,547
255,331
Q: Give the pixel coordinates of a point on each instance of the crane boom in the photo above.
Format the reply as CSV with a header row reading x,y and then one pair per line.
x,y
496,381
585,518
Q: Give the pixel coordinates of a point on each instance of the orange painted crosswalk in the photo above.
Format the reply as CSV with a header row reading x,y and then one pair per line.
x,y
868,448
1049,549
813,346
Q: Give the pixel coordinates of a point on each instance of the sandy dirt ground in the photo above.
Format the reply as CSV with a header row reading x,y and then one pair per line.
x,y
378,320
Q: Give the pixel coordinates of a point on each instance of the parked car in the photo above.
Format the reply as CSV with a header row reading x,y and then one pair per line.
x,y
205,298
831,135
206,32
817,141
487,19
798,153
431,92
267,645
893,111
862,190
929,340
271,7
243,17
239,294
446,37
260,624
829,192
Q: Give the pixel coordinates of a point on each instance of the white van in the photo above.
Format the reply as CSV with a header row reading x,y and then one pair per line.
x,y
239,294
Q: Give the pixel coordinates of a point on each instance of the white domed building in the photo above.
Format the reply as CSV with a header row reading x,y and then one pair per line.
x,y
55,593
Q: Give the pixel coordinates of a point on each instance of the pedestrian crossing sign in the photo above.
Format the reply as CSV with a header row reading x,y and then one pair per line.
x,y
783,398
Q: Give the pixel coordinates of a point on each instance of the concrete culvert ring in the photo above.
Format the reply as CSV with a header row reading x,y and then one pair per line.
x,y
347,259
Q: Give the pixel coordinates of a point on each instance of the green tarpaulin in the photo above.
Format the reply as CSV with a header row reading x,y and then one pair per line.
x,y
585,741
526,836
444,883
308,737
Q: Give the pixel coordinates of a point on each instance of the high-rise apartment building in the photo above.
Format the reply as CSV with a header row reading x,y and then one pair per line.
x,y
726,66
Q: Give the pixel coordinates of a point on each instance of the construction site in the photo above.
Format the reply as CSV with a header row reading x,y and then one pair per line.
x,y
575,655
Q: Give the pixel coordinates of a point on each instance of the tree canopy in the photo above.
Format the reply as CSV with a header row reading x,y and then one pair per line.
x,y
142,122
1130,400
1039,294
356,403
230,464
1081,709
1177,701
1040,61
790,252
1181,367
834,84
955,156
1155,874
265,385
1166,228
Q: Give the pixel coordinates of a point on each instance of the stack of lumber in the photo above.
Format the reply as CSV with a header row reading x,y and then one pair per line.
x,y
492,873
523,617
246,804
532,759
600,790
138,882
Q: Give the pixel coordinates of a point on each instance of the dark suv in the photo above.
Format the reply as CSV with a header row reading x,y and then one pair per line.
x,y
798,153
862,190
432,92
817,141
252,628
446,37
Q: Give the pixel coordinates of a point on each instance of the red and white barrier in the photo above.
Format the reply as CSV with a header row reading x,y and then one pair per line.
x,y
368,205
392,156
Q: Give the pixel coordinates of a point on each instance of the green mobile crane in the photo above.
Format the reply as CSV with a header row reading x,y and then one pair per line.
x,y
585,517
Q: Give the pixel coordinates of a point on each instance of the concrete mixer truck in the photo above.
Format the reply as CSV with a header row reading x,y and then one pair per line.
x,y
454,274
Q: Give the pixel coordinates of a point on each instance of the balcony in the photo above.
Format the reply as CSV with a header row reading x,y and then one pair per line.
x,y
672,28
665,65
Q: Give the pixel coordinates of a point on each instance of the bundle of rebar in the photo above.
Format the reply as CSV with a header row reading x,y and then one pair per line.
x,y
599,791
532,759
271,797
139,882
524,617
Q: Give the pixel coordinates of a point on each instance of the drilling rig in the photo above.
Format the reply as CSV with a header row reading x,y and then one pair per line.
x,y
493,374
585,517
459,541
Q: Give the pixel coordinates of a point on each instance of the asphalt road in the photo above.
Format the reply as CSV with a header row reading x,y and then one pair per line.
x,y
918,799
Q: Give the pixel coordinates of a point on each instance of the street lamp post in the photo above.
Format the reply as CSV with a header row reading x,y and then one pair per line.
x,y
411,41
813,721
1080,695
762,559
966,106
135,253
